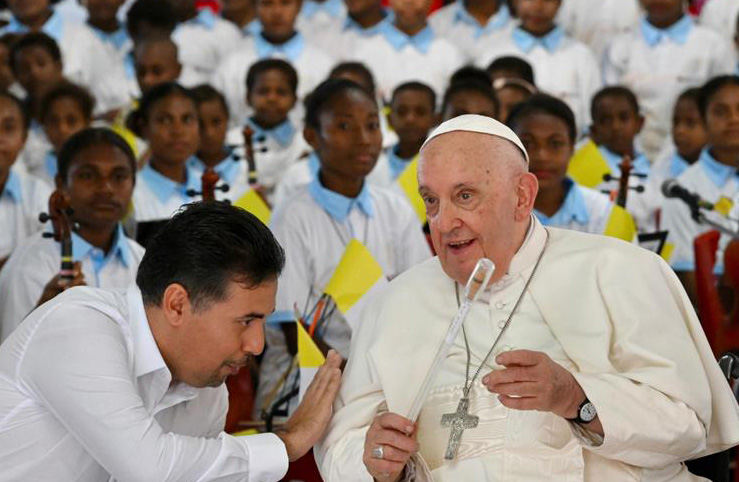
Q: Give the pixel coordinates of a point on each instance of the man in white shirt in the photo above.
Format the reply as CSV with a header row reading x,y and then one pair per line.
x,y
100,385
582,360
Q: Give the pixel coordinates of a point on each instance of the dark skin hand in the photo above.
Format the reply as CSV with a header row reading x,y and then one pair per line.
x,y
57,285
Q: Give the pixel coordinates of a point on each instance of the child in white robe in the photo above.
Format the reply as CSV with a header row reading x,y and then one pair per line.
x,y
546,126
278,39
564,67
315,226
666,54
22,197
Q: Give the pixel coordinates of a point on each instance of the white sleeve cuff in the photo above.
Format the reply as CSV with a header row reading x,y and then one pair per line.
x,y
267,457
588,438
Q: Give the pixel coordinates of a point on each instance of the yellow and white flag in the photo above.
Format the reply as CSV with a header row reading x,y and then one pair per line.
x,y
356,278
620,225
408,181
587,167
310,359
254,204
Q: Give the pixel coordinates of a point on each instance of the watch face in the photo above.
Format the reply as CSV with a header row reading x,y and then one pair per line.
x,y
587,412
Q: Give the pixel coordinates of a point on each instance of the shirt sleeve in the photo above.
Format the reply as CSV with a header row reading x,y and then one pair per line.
x,y
78,366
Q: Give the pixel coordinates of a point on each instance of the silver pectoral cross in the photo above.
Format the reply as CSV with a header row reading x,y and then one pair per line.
x,y
459,421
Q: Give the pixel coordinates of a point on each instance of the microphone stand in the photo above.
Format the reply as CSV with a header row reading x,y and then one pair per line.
x,y
700,218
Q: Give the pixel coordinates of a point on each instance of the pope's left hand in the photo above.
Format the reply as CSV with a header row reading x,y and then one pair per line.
x,y
533,381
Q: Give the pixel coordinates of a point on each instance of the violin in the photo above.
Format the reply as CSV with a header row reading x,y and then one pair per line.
x,y
253,175
60,214
209,185
621,194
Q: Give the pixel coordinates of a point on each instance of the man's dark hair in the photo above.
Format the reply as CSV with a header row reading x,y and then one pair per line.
x,y
711,88
614,91
91,136
34,39
323,96
544,104
469,73
520,67
68,90
265,65
415,86
156,13
204,247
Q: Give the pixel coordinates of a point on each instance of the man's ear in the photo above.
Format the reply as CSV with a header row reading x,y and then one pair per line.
x,y
528,187
176,304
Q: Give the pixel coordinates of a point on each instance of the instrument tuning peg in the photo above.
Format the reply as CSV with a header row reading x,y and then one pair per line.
x,y
223,188
638,189
608,177
44,217
48,235
192,192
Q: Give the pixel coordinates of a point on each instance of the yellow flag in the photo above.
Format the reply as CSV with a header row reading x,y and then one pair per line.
x,y
408,181
587,167
254,204
667,251
309,355
620,225
355,274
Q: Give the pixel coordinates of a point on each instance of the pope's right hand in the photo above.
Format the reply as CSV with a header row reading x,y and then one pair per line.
x,y
306,426
396,436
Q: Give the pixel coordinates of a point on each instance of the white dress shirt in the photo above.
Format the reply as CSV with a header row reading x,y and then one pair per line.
x,y
21,201
85,395
658,64
720,16
597,27
33,264
202,42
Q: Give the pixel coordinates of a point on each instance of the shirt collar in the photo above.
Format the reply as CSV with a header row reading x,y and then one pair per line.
x,y
51,164
253,28
13,187
54,27
206,18
496,22
118,39
678,165
119,250
338,206
573,208
397,164
227,169
147,357
282,133
290,49
640,163
314,164
717,172
421,41
164,188
351,24
526,42
333,8
530,249
677,32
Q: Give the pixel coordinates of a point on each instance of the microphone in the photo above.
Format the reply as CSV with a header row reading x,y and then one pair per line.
x,y
671,189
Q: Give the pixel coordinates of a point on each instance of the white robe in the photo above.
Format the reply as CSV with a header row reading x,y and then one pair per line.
x,y
610,312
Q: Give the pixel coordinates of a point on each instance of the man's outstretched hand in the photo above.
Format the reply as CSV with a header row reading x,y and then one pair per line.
x,y
307,424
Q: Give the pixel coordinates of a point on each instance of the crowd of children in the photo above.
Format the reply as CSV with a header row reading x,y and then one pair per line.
x,y
318,109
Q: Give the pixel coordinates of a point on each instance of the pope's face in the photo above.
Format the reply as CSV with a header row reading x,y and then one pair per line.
x,y
477,202
219,340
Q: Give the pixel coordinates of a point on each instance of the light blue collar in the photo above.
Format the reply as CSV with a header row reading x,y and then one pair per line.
x,y
397,164
677,32
573,208
120,250
117,39
290,49
421,41
13,187
640,164
282,133
165,188
526,42
333,8
338,206
129,66
227,169
314,164
717,172
54,27
206,18
351,24
51,164
678,165
253,28
496,22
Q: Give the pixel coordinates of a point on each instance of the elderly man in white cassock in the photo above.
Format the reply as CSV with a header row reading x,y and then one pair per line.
x,y
581,361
